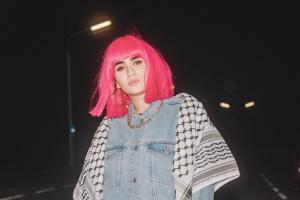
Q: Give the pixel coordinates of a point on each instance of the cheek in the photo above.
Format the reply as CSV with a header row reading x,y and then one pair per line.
x,y
142,71
121,80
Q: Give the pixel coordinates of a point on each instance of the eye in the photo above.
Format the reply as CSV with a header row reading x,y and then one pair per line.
x,y
120,68
137,61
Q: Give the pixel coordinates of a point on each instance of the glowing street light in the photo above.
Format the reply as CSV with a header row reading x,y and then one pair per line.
x,y
100,26
224,105
249,104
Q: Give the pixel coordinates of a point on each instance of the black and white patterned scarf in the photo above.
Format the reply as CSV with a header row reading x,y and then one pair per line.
x,y
201,156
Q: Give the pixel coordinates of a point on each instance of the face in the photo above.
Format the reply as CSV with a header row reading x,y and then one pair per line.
x,y
130,75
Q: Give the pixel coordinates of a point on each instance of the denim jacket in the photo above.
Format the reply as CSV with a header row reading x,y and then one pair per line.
x,y
139,161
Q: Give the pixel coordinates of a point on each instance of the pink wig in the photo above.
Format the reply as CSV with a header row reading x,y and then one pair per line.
x,y
158,80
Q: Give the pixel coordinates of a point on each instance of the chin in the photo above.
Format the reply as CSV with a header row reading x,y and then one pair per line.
x,y
136,93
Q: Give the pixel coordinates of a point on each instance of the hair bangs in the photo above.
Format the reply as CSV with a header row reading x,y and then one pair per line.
x,y
125,48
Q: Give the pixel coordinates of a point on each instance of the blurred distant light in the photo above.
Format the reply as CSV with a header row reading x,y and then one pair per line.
x,y
225,105
249,104
100,26
72,129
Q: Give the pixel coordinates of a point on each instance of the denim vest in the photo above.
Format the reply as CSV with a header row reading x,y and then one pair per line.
x,y
139,161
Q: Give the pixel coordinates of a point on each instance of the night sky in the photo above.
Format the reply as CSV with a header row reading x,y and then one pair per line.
x,y
236,52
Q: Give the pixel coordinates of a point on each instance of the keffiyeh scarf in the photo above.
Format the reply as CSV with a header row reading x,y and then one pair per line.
x,y
201,156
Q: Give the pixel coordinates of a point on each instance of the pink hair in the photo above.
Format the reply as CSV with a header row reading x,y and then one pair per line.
x,y
158,80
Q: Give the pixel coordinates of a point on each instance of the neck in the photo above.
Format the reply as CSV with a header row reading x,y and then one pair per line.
x,y
139,103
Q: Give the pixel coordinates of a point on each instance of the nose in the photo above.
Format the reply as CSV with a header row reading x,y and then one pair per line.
x,y
130,70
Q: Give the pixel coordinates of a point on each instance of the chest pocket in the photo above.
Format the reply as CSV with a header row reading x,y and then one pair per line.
x,y
114,161
160,162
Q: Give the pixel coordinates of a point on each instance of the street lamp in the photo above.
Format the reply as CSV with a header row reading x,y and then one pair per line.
x,y
224,105
249,104
71,131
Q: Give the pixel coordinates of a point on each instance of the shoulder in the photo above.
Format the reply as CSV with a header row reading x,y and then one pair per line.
x,y
102,127
189,99
181,97
190,105
105,121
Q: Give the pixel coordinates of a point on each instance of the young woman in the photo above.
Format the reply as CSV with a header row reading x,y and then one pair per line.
x,y
151,144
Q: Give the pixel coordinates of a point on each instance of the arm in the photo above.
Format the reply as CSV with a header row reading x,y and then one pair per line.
x,y
202,157
214,162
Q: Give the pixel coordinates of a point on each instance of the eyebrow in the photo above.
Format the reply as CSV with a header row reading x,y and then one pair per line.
x,y
121,62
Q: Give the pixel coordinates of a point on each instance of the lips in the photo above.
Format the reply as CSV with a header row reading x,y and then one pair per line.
x,y
133,82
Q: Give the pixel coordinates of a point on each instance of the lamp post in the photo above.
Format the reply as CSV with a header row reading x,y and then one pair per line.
x,y
71,128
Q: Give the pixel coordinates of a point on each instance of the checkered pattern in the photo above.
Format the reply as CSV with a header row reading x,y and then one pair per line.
x,y
91,177
191,120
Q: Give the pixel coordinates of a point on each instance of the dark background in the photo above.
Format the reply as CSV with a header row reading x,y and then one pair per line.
x,y
233,52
